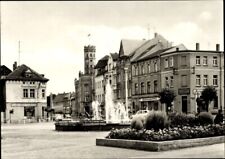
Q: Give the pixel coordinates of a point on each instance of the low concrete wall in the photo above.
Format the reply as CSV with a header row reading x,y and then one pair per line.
x,y
159,145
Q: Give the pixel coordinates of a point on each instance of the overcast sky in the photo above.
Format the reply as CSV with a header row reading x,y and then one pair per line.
x,y
53,34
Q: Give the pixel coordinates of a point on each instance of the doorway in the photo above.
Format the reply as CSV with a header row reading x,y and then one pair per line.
x,y
184,104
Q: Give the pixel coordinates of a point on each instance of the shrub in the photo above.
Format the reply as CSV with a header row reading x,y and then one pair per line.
x,y
156,120
137,122
205,118
179,119
192,120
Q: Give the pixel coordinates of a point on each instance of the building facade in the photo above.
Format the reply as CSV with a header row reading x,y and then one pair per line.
x,y
25,95
85,85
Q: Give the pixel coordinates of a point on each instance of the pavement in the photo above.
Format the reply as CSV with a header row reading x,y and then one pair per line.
x,y
41,141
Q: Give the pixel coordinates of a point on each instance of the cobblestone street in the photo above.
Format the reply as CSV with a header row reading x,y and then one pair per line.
x,y
40,140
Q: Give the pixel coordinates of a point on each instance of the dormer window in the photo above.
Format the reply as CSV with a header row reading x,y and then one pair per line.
x,y
28,73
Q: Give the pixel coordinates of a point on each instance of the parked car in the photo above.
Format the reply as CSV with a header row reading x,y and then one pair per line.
x,y
58,117
143,112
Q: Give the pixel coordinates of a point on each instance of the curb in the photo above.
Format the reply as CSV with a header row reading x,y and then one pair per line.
x,y
159,145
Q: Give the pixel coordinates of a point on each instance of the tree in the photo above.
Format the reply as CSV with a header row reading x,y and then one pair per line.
x,y
167,96
208,95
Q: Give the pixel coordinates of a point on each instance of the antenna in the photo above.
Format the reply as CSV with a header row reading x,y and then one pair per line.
x,y
148,31
19,54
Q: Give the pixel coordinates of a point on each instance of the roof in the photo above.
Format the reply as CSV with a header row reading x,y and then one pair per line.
x,y
127,46
150,46
102,62
4,71
25,73
114,56
60,97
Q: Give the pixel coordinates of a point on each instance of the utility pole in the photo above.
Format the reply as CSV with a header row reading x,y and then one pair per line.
x,y
19,54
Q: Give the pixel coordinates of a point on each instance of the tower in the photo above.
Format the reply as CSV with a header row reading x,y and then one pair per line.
x,y
89,59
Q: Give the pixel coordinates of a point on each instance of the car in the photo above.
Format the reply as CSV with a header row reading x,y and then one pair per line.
x,y
143,112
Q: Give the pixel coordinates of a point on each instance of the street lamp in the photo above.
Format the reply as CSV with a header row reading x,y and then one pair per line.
x,y
126,92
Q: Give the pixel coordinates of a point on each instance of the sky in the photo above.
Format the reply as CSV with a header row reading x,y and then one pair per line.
x,y
53,34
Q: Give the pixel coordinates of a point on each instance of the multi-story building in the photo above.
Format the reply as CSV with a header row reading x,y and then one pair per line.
x,y
25,95
185,71
84,86
123,70
146,78
188,72
105,72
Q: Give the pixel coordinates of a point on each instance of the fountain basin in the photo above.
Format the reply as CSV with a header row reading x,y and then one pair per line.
x,y
88,125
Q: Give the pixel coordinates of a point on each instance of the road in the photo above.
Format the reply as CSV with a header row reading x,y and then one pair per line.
x,y
41,141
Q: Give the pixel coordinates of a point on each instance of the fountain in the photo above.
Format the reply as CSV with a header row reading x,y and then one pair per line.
x,y
116,116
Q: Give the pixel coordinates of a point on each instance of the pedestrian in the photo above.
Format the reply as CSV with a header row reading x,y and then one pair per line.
x,y
219,117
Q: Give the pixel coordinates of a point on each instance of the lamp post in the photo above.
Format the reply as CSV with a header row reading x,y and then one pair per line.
x,y
126,92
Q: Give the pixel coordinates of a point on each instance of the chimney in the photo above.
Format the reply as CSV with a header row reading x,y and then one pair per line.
x,y
177,48
156,35
42,75
217,47
14,65
197,46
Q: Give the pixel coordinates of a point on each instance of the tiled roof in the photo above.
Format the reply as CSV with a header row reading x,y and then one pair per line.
x,y
25,73
128,45
102,62
148,46
4,71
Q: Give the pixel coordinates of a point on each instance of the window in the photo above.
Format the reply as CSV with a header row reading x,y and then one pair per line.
x,y
198,80
215,62
205,80
142,69
29,112
142,88
155,86
166,63
43,93
136,88
118,77
205,60
148,87
198,60
171,61
25,93
32,93
171,81
119,94
215,80
155,66
183,60
149,68
184,80
167,81
90,55
136,70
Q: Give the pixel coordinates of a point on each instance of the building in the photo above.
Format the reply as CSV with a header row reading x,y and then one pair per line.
x,y
85,85
62,104
105,72
188,72
126,50
146,82
184,71
25,95
4,71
